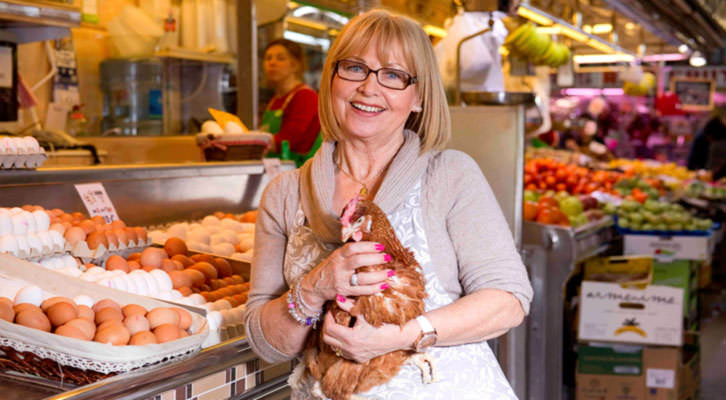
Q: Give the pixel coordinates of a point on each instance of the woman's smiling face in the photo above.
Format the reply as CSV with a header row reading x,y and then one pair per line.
x,y
367,109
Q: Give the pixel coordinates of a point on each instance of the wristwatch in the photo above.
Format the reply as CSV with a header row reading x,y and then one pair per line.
x,y
427,337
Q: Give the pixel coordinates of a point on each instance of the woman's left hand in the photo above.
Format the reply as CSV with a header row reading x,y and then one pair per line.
x,y
363,341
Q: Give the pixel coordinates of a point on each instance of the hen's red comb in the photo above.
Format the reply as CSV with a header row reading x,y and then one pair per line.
x,y
349,210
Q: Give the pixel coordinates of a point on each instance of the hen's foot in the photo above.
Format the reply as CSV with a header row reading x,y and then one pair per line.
x,y
426,364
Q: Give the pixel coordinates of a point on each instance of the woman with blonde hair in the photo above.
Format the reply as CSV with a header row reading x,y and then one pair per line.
x,y
385,123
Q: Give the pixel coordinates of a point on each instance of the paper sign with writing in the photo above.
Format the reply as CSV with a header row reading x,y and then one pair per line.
x,y
660,378
97,201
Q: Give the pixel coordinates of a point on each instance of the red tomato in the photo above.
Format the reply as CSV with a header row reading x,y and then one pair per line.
x,y
530,210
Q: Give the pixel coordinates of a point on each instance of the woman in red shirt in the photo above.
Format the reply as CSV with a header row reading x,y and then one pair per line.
x,y
292,114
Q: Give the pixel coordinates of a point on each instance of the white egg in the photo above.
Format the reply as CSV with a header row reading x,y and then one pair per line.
x,y
210,220
140,283
164,296
223,249
16,210
9,244
34,245
89,278
175,294
31,144
237,256
105,282
29,294
23,247
84,300
30,221
6,223
194,226
222,304
197,299
45,240
201,247
246,242
214,320
58,227
69,261
178,230
248,227
217,239
225,317
11,147
212,127
20,224
116,273
249,253
232,128
70,271
158,236
130,284
118,282
230,236
59,242
151,284
198,235
42,220
229,223
238,314
95,271
162,280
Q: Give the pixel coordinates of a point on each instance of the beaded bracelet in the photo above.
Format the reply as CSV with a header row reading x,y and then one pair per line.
x,y
306,309
295,308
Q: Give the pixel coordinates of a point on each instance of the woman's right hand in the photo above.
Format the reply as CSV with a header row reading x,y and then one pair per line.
x,y
332,277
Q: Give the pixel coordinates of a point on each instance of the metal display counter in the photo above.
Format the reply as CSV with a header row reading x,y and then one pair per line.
x,y
148,195
552,253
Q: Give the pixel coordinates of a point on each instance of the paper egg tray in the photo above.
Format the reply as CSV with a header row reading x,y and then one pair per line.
x,y
101,253
22,161
57,357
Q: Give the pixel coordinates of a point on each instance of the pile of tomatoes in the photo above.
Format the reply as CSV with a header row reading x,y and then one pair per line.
x,y
544,174
545,211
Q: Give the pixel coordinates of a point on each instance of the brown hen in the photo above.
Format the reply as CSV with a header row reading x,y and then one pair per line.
x,y
337,377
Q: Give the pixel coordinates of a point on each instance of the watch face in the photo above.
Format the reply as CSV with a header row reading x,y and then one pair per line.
x,y
426,341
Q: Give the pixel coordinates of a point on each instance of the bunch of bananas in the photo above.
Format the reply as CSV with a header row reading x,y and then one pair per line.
x,y
537,47
642,88
652,168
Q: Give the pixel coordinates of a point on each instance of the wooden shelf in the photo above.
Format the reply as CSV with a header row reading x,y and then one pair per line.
x,y
195,55
38,20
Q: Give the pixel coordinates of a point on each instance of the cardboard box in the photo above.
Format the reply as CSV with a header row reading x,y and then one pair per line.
x,y
628,271
668,248
705,272
611,313
681,274
618,372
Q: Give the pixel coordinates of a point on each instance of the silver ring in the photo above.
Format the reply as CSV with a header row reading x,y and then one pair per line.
x,y
354,280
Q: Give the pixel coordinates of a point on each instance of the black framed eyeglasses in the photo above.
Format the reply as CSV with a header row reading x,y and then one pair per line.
x,y
391,78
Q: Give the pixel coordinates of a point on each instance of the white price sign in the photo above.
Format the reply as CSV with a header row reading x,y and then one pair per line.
x,y
97,201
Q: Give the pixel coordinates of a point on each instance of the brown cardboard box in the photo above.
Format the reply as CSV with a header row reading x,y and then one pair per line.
x,y
613,372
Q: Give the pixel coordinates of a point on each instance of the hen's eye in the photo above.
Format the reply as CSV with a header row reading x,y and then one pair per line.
x,y
360,220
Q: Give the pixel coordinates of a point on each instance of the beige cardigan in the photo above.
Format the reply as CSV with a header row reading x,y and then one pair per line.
x,y
470,243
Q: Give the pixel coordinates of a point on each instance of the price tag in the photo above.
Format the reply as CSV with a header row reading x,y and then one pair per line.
x,y
660,378
272,166
97,201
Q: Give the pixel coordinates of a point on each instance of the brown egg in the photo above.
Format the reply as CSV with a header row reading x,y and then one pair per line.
x,y
166,333
224,269
105,303
149,268
202,258
179,279
231,301
185,291
183,333
218,214
134,265
66,218
206,268
33,319
86,312
120,235
205,288
103,227
6,309
88,226
136,323
184,260
161,316
109,323
78,215
207,296
151,257
215,284
116,262
71,332
143,338
87,327
115,335
141,234
169,265
134,257
237,279
96,239
249,216
74,235
56,226
62,312
130,234
196,276
47,303
25,306
116,224
108,313
98,220
174,246
133,309
111,238
241,298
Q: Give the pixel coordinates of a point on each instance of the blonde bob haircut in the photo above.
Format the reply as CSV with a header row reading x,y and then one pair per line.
x,y
385,30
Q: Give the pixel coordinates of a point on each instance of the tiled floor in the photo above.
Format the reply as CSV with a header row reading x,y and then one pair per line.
x,y
713,350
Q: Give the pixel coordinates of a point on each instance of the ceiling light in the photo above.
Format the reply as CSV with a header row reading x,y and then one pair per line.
x,y
600,29
630,26
572,34
533,15
603,58
697,59
432,30
596,44
548,30
683,48
587,28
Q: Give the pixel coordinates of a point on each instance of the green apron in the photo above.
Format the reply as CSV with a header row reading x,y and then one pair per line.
x,y
272,122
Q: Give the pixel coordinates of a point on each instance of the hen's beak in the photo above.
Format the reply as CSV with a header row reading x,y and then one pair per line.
x,y
356,230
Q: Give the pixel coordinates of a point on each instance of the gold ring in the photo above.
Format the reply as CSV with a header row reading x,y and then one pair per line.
x,y
338,353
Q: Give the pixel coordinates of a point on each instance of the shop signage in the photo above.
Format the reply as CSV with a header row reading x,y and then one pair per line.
x,y
716,74
96,200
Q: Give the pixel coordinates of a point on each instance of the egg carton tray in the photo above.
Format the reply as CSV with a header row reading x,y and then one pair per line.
x,y
100,359
44,251
101,253
22,161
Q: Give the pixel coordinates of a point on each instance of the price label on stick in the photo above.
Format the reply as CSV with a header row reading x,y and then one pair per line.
x,y
97,201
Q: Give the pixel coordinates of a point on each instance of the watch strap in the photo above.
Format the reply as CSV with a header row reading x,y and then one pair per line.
x,y
425,324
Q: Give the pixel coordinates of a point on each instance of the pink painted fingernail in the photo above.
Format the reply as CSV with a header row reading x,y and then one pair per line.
x,y
380,247
384,286
387,257
341,298
391,273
